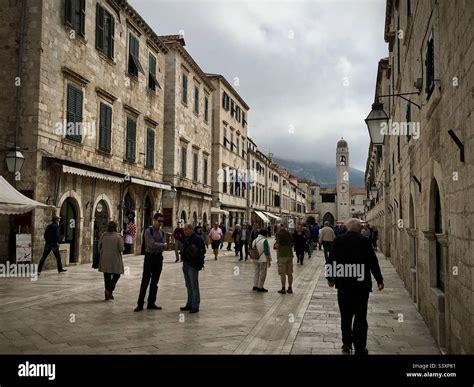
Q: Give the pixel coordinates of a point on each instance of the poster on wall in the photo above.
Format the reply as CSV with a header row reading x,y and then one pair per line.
x,y
23,248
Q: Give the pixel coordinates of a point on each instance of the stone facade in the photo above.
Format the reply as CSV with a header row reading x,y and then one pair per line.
x,y
74,175
188,137
424,201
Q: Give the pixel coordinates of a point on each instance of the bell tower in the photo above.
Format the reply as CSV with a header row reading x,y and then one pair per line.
x,y
342,183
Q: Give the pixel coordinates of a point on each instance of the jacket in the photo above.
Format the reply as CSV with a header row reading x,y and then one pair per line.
x,y
154,240
193,251
327,234
51,234
353,253
111,246
299,241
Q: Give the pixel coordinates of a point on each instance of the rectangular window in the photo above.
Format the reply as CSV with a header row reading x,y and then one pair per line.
x,y
184,89
75,15
225,140
408,120
244,119
183,161
105,127
195,166
238,145
232,108
232,141
150,148
152,81
205,171
237,113
206,109
352,202
105,31
134,65
196,100
429,64
408,8
74,114
131,139
225,101
398,150
224,183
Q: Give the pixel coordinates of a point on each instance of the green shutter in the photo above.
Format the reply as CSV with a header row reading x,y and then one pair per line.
x,y
74,113
131,139
82,28
111,37
99,28
105,127
68,12
150,150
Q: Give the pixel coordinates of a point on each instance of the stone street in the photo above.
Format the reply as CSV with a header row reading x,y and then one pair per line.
x,y
67,314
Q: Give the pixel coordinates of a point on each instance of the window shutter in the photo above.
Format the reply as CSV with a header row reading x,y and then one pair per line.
x,y
68,12
71,111
102,128
131,139
82,17
78,136
99,28
109,128
150,151
112,37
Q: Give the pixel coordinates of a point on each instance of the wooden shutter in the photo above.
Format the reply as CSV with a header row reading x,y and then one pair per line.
x,y
150,148
71,109
68,12
82,19
99,28
111,37
131,139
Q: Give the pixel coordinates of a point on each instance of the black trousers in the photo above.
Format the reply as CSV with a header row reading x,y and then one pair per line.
x,y
353,308
152,267
110,281
299,255
243,244
47,249
327,248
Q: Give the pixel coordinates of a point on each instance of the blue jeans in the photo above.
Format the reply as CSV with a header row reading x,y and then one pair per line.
x,y
191,278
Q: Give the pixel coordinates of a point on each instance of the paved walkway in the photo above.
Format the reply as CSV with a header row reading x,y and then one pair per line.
x,y
66,313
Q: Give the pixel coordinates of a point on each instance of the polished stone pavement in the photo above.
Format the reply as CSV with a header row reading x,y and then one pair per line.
x,y
66,313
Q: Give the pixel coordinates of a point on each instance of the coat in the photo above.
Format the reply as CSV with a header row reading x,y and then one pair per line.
x,y
111,247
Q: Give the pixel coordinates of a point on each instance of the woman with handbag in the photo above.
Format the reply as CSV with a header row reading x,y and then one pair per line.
x,y
111,246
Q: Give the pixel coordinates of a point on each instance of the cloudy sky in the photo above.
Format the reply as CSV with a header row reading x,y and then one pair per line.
x,y
307,69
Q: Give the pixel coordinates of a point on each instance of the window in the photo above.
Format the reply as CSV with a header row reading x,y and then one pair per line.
x,y
238,145
408,8
429,64
196,100
398,150
352,202
224,183
244,119
206,109
225,137
237,113
105,127
243,148
398,45
75,15
74,114
225,101
232,107
205,171
184,89
408,120
183,161
150,148
152,81
105,31
232,141
195,166
131,139
134,65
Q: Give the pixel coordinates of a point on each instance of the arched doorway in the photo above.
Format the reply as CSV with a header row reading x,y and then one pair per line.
x,y
101,220
195,219
183,217
68,228
328,217
310,220
129,227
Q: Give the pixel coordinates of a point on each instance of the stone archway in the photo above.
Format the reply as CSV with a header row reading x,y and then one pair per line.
x,y
328,217
70,210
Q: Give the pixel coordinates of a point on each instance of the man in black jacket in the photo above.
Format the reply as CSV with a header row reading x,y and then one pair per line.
x,y
51,237
193,251
351,262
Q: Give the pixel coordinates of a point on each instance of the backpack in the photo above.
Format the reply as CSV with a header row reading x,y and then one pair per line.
x,y
254,253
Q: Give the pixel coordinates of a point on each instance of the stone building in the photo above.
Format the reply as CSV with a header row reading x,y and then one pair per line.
x,y
420,179
91,118
187,137
230,177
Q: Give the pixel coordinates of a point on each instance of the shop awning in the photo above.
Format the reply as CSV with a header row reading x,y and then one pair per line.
x,y
14,202
272,216
91,174
149,183
262,216
215,210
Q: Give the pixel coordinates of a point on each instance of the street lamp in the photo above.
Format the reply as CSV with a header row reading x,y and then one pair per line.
x,y
173,192
14,160
376,121
373,191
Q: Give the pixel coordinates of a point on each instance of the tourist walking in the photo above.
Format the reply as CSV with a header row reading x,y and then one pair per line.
x,y
111,246
178,235
155,243
216,236
263,262
350,251
192,253
51,238
309,243
299,243
224,232
130,234
244,242
236,238
284,247
327,236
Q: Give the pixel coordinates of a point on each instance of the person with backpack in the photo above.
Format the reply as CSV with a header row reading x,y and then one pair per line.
x,y
51,237
192,253
260,254
155,243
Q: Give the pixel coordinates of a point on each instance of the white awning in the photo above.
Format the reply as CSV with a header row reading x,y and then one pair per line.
x,y
262,216
14,202
149,183
272,216
94,175
215,210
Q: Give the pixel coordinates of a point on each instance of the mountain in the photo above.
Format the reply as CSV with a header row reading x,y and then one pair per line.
x,y
323,174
